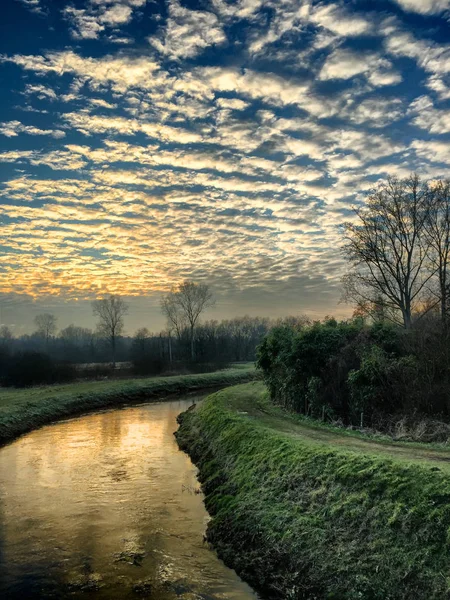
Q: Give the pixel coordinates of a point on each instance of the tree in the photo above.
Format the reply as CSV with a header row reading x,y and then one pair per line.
x,y
171,309
387,248
110,312
141,340
183,306
46,326
77,343
438,237
6,337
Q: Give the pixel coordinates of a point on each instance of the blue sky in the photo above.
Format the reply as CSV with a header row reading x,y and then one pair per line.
x,y
146,141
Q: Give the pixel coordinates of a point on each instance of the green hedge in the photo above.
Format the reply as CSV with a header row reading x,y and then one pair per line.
x,y
342,370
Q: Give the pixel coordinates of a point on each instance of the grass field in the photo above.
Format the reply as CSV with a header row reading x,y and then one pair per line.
x,y
24,409
302,511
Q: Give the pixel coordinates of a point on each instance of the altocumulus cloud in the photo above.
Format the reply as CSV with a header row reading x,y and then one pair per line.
x,y
146,141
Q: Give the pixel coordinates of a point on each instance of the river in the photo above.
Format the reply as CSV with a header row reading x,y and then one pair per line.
x,y
106,506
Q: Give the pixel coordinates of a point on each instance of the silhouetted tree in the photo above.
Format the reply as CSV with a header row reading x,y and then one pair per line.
x,y
110,312
437,233
46,326
184,305
6,337
388,249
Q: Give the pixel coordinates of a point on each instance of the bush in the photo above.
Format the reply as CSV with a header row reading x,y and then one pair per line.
x,y
207,367
341,370
148,365
35,368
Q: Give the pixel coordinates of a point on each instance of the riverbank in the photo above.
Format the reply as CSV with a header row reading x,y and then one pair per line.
x,y
22,410
302,512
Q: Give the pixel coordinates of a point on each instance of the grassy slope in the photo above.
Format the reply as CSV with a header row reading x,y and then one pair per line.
x,y
308,516
24,409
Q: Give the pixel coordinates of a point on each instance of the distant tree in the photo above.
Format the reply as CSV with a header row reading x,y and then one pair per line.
x,y
171,309
184,304
6,337
437,235
146,354
110,312
78,342
388,250
141,340
45,326
294,321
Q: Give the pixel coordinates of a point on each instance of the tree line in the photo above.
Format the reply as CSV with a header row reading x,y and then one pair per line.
x,y
186,343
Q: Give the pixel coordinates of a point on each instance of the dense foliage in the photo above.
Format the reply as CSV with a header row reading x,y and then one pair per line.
x,y
25,369
353,371
301,520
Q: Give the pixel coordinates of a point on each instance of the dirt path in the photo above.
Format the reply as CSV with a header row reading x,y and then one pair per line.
x,y
417,453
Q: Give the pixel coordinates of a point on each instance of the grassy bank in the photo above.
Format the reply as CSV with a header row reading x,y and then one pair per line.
x,y
305,517
22,410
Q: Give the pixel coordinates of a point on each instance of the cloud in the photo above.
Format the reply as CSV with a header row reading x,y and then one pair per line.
x,y
124,73
100,103
57,160
426,116
293,17
88,23
425,7
345,64
376,111
238,9
232,103
439,87
119,72
14,128
118,14
432,150
41,91
33,5
188,32
432,57
89,124
84,26
243,162
344,24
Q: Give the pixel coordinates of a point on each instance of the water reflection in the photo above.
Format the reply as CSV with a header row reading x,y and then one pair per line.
x,y
106,506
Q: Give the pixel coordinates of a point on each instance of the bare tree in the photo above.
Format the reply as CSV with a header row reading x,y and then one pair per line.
x,y
46,326
438,238
171,309
183,306
6,337
388,250
110,312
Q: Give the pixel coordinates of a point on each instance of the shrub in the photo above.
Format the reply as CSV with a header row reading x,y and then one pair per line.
x,y
343,369
148,365
34,368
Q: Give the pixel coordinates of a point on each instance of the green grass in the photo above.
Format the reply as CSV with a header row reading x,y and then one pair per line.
x,y
303,515
22,410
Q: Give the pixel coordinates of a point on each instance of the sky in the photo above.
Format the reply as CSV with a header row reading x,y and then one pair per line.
x,y
143,142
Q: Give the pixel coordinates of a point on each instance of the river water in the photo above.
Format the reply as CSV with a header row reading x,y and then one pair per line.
x,y
106,506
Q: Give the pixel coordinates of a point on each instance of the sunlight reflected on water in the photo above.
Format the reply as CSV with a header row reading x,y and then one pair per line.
x,y
106,506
